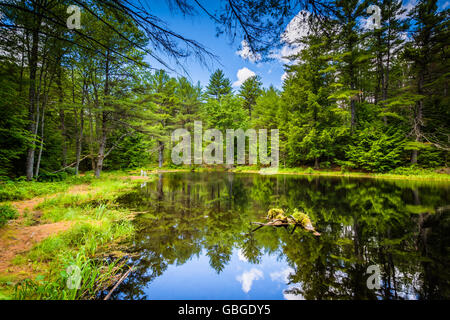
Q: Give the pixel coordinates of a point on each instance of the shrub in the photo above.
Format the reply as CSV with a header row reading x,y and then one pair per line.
x,y
48,176
7,212
325,165
376,151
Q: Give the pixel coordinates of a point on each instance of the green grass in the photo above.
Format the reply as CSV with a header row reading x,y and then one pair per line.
x,y
94,276
79,247
7,212
20,190
399,173
410,173
99,226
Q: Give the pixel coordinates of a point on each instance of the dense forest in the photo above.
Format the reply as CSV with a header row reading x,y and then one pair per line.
x,y
353,97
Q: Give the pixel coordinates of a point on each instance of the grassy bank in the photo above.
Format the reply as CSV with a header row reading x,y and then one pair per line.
x,y
92,225
401,173
405,173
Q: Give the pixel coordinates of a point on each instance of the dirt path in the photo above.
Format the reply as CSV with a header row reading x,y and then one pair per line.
x,y
16,238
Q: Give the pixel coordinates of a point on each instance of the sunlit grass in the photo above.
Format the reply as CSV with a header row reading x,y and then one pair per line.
x,y
79,246
20,190
399,173
7,212
98,226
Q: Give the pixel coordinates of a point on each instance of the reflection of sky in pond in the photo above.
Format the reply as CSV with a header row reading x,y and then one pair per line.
x,y
239,280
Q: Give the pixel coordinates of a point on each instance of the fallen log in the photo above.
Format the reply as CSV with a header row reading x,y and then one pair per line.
x,y
119,282
277,218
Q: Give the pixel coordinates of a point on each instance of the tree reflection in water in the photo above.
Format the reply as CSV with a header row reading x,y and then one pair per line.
x,y
401,226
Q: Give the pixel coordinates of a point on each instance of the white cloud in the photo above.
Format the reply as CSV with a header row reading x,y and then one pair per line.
x,y
247,278
284,76
446,4
292,296
409,6
246,52
242,75
295,30
241,256
281,276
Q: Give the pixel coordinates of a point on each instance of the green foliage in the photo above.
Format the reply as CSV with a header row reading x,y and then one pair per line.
x,y
48,176
225,113
7,212
368,98
249,92
131,152
376,151
218,86
19,190
81,245
13,136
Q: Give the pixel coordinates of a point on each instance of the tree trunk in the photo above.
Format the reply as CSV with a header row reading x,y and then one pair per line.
x,y
101,155
80,133
62,118
102,144
414,157
38,163
353,115
33,60
91,143
418,118
161,153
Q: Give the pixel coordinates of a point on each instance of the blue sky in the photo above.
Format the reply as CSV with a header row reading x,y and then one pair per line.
x,y
239,280
202,29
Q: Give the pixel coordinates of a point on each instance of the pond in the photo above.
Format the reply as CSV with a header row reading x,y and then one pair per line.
x,y
195,239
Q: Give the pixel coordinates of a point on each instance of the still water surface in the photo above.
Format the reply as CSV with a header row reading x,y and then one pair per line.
x,y
195,238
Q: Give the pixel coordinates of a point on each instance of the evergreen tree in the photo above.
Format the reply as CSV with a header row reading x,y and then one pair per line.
x,y
313,126
218,86
429,56
347,54
249,92
163,104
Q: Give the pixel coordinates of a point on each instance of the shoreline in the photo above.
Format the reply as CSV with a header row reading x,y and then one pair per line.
x,y
441,177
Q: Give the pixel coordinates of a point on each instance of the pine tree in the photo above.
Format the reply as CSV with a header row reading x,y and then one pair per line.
x,y
163,105
249,92
347,55
429,47
313,125
386,43
218,86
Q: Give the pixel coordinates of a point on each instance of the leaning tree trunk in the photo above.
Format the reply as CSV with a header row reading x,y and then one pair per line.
x,y
38,163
